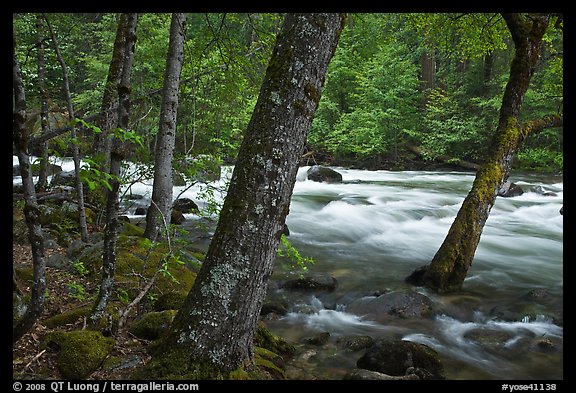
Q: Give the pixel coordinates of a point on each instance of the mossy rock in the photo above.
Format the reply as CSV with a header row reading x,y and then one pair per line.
x,y
131,230
178,276
67,317
265,339
170,301
269,365
25,274
80,352
152,325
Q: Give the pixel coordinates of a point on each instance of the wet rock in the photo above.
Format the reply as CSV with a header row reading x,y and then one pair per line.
x,y
359,374
177,217
509,190
140,211
396,357
355,343
400,304
185,205
311,283
323,174
319,339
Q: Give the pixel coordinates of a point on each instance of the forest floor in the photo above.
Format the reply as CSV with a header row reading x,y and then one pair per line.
x,y
30,358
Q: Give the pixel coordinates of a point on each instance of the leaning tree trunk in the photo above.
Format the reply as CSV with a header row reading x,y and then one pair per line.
x,y
31,211
108,116
158,214
75,149
214,329
118,154
450,265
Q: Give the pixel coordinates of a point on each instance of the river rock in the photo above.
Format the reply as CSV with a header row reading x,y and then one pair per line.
x,y
359,374
400,304
323,174
354,343
185,205
396,357
509,190
311,283
177,217
64,178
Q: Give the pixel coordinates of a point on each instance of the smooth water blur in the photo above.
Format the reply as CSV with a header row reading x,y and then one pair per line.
x,y
373,229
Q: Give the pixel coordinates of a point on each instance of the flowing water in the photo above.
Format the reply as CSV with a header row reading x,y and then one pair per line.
x,y
373,229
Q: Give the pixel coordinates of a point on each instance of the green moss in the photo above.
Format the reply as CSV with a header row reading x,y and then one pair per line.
x,y
25,274
175,364
81,352
67,317
131,230
135,257
152,325
270,362
170,301
266,340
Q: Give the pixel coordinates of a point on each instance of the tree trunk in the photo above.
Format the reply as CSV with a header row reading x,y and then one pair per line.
x,y
118,153
158,214
108,116
75,149
450,265
42,175
31,212
213,331
488,71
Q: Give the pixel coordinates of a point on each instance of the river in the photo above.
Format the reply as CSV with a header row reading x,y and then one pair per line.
x,y
373,229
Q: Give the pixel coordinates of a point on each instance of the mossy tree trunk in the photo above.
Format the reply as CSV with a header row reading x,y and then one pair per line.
x,y
31,211
450,265
118,154
158,214
214,329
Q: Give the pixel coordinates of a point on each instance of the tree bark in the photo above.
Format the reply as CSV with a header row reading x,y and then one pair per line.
x,y
42,175
75,149
450,265
158,214
118,153
214,329
31,212
108,116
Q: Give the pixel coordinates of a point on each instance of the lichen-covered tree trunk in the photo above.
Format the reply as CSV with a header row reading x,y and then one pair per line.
x,y
31,211
118,153
450,265
158,214
214,330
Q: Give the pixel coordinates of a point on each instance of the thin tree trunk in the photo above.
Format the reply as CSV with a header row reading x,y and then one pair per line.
x,y
450,265
213,332
118,153
159,210
31,212
75,149
42,175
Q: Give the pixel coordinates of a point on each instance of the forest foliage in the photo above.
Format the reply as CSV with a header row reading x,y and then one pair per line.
x,y
432,80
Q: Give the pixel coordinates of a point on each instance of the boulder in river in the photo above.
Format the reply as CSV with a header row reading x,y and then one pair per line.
x,y
323,174
400,304
397,357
